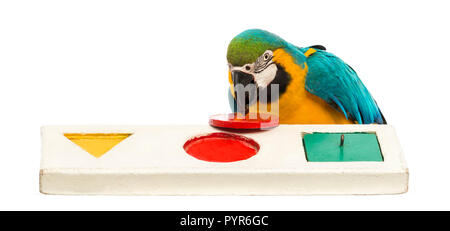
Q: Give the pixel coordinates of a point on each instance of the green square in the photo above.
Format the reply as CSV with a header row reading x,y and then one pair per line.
x,y
326,147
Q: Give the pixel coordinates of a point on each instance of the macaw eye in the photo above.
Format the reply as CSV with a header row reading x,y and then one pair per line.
x,y
247,67
266,57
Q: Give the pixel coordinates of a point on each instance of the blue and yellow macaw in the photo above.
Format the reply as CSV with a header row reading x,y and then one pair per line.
x,y
315,86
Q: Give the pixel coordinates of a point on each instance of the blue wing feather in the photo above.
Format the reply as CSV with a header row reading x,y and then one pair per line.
x,y
338,84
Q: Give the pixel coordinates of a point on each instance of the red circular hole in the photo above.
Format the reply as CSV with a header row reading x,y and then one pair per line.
x,y
221,147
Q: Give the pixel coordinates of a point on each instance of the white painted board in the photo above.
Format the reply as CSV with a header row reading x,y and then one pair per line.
x,y
152,161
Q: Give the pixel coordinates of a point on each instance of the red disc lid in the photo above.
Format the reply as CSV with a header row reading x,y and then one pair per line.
x,y
250,121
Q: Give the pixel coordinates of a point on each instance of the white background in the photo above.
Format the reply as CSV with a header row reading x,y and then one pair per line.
x,y
138,62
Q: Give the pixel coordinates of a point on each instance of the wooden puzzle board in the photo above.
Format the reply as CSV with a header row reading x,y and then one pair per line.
x,y
152,161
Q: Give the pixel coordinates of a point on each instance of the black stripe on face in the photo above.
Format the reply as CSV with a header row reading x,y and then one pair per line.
x,y
282,78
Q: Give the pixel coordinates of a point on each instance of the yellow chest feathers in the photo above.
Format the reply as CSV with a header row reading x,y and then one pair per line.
x,y
298,106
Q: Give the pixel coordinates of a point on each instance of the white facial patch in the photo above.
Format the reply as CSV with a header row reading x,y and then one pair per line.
x,y
266,76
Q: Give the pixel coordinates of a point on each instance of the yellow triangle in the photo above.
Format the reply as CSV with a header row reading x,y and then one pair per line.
x,y
96,144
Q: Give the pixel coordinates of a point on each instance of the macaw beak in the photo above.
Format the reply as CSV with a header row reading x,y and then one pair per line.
x,y
245,90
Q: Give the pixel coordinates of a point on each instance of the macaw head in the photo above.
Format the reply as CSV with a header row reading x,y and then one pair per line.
x,y
251,66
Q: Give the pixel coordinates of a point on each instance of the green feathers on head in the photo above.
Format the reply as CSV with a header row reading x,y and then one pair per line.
x,y
247,46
